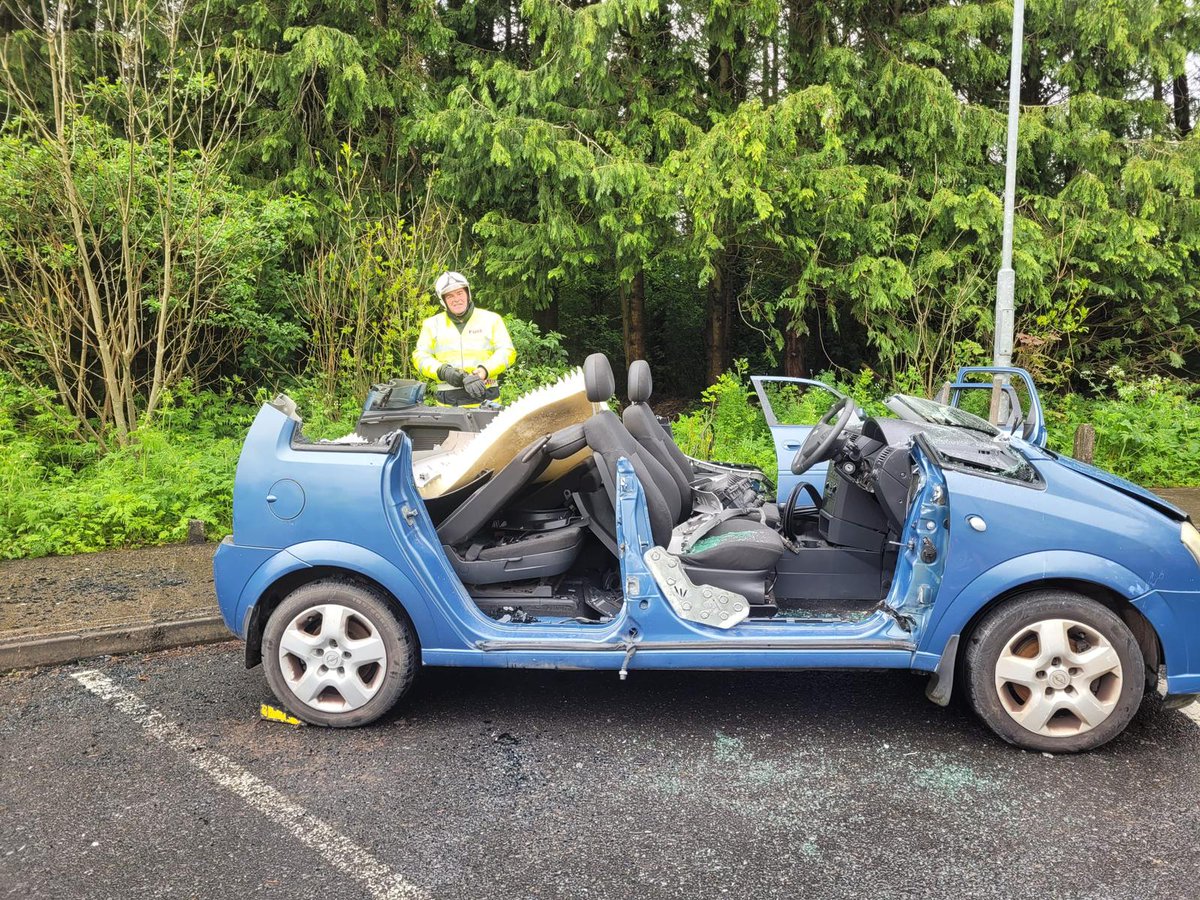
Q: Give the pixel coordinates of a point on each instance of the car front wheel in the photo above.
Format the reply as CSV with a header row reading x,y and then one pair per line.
x,y
1054,671
338,654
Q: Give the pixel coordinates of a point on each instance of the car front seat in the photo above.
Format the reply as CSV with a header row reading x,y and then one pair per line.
x,y
644,425
738,554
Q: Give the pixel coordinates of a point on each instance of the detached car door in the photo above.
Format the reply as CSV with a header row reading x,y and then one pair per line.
x,y
792,406
971,390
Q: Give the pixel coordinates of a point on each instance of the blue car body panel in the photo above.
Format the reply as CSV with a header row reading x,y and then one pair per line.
x,y
1122,485
1067,530
345,510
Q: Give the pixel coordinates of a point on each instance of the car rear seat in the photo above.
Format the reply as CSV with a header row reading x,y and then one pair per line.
x,y
474,550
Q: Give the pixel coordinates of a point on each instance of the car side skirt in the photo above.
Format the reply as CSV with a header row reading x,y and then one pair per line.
x,y
672,656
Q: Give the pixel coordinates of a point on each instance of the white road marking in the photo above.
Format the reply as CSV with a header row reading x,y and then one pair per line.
x,y
339,851
1192,711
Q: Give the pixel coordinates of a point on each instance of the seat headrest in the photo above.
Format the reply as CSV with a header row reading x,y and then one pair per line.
x,y
598,378
640,384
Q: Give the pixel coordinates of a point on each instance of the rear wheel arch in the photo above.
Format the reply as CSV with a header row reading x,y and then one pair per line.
x,y
281,588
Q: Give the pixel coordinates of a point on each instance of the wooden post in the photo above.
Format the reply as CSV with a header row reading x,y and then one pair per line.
x,y
196,533
1085,443
998,410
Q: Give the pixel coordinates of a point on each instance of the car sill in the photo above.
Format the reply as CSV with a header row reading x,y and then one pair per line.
x,y
748,645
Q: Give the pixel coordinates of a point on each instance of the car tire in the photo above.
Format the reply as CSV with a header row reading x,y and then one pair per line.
x,y
338,654
1030,661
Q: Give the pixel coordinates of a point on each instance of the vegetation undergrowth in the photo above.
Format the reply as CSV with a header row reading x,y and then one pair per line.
x,y
1147,429
728,425
65,495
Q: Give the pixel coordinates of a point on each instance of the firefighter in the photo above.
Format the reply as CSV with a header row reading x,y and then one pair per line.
x,y
463,348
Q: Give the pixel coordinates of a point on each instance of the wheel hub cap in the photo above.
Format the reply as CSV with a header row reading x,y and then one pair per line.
x,y
1058,677
332,658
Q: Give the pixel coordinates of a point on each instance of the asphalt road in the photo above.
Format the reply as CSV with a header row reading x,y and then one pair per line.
x,y
154,777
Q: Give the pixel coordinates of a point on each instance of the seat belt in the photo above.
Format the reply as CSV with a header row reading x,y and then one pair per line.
x,y
593,526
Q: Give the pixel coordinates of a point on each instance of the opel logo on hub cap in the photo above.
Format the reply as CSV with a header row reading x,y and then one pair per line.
x,y
1059,679
333,659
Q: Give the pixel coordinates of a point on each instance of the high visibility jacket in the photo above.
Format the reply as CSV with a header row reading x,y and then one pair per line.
x,y
480,341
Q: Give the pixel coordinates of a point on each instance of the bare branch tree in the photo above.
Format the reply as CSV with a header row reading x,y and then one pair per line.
x,y
113,269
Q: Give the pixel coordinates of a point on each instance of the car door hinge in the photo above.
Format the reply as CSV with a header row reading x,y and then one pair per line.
x,y
410,514
928,551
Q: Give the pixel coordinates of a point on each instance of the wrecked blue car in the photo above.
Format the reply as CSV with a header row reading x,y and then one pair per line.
x,y
558,534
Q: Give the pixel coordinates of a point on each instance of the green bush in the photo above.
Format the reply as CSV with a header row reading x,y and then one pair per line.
x,y
325,416
541,359
64,497
1147,429
729,426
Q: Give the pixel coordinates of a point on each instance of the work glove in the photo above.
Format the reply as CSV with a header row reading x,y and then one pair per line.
x,y
451,375
475,386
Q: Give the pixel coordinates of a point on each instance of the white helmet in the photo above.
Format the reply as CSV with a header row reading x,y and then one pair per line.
x,y
449,281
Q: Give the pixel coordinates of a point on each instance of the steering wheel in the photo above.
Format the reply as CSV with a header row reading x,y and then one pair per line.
x,y
819,445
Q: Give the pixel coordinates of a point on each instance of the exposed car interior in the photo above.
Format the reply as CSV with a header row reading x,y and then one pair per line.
x,y
532,549
561,512
533,534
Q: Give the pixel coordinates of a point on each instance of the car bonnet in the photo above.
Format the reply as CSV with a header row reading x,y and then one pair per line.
x,y
1126,487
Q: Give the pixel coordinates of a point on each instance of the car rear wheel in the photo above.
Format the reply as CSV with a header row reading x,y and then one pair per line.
x,y
1054,671
338,654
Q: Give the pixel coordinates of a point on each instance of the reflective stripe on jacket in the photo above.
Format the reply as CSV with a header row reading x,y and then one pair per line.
x,y
482,341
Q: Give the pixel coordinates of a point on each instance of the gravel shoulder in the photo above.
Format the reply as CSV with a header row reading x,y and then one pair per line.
x,y
59,594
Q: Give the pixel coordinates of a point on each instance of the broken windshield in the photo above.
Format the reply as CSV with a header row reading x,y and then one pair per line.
x,y
968,450
922,410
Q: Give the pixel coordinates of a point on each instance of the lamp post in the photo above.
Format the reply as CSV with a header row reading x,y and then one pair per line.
x,y
1005,281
